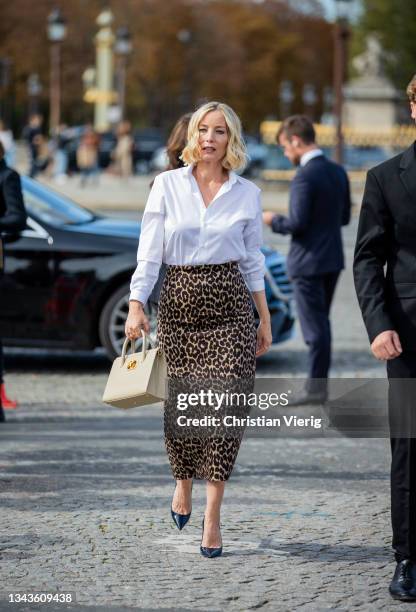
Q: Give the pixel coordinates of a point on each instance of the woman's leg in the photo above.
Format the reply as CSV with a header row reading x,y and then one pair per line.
x,y
182,498
212,533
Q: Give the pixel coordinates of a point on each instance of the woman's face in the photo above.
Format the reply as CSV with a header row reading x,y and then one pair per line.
x,y
213,137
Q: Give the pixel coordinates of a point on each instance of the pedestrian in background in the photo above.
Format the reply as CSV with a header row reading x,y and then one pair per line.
x,y
385,281
204,222
87,155
12,220
122,154
31,134
7,140
177,141
44,156
60,141
319,205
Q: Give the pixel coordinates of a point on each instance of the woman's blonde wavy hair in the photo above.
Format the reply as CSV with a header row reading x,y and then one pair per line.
x,y
235,157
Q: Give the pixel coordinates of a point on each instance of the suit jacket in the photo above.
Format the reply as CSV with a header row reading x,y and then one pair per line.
x,y
319,205
12,208
385,252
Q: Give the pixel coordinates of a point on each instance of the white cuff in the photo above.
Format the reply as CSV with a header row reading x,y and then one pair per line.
x,y
254,283
139,295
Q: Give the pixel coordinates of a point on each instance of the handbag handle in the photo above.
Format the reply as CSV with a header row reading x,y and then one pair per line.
x,y
132,342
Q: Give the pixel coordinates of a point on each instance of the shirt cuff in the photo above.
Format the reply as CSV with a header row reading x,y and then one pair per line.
x,y
255,284
139,294
143,280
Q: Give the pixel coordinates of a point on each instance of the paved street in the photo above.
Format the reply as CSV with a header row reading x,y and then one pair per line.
x,y
85,494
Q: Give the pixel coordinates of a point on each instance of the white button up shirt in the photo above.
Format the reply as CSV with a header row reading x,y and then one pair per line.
x,y
178,229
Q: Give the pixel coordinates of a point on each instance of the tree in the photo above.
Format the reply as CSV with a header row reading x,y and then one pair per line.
x,y
394,21
184,51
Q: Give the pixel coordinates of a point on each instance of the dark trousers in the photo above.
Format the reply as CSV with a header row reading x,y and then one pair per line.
x,y
402,416
1,362
313,295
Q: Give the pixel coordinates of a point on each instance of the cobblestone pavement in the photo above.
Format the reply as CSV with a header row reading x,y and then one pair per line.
x,y
85,495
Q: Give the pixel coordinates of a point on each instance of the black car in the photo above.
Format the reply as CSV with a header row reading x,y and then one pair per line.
x,y
145,143
67,277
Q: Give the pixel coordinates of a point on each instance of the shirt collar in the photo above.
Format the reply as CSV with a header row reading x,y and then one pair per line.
x,y
233,177
306,157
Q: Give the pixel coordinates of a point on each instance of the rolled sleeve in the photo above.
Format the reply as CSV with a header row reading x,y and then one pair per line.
x,y
150,249
252,267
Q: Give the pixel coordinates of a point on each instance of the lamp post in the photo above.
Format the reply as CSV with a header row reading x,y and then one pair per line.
x,y
286,97
341,36
123,48
56,34
34,89
309,98
184,36
104,95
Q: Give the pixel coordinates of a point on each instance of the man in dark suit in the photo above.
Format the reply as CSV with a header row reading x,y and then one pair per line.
x,y
12,219
387,235
319,205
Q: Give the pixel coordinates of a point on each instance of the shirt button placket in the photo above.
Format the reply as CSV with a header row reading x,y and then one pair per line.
x,y
202,227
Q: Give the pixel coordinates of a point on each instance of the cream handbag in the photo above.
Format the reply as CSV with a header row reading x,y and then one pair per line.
x,y
137,379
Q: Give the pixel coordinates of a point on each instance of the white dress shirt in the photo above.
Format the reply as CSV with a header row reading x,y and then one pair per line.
x,y
306,157
178,229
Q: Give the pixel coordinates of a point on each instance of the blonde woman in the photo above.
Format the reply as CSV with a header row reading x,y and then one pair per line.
x,y
205,222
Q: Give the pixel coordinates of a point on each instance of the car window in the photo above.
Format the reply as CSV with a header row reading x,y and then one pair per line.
x,y
55,209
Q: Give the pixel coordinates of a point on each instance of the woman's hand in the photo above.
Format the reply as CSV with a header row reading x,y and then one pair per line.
x,y
136,321
264,337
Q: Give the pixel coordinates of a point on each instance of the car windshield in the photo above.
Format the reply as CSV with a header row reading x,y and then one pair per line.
x,y
53,208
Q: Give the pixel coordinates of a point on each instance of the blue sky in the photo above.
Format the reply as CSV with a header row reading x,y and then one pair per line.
x,y
330,7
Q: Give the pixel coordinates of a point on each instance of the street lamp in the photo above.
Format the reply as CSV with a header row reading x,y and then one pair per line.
x,y
123,48
56,34
286,97
341,36
34,89
184,36
309,96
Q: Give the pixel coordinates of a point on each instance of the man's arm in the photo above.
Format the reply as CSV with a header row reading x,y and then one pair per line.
x,y
300,208
371,251
14,219
346,210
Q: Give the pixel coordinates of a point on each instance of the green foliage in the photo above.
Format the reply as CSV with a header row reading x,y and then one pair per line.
x,y
394,21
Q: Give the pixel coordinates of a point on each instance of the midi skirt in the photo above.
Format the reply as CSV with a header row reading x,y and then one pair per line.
x,y
206,329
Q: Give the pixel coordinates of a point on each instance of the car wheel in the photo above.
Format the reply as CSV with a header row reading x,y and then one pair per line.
x,y
113,318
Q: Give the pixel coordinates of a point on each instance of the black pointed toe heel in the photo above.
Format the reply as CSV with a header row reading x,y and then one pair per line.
x,y
210,553
180,520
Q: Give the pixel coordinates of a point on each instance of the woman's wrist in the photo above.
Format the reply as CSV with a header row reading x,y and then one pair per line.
x,y
135,305
265,319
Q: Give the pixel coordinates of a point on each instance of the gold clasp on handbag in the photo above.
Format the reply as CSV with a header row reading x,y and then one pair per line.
x,y
132,364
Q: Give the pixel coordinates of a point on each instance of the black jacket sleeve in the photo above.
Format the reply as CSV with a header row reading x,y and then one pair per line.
x,y
14,218
371,251
300,208
346,209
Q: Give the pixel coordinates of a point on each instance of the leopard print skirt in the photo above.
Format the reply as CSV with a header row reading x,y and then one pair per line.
x,y
207,330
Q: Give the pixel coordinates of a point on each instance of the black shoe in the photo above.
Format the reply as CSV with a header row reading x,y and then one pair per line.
x,y
305,398
210,553
2,415
180,520
403,585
